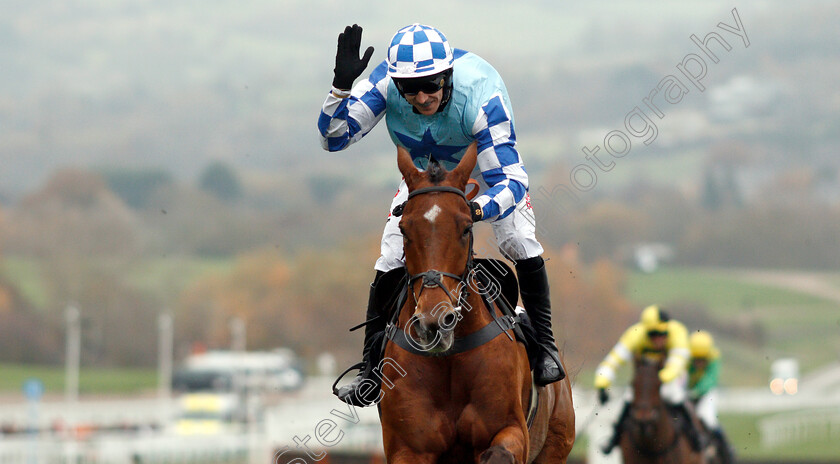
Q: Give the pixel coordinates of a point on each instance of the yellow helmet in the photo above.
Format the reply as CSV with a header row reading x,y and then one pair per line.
x,y
701,344
653,319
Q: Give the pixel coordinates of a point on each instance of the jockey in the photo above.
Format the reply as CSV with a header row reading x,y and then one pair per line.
x,y
658,337
437,101
703,373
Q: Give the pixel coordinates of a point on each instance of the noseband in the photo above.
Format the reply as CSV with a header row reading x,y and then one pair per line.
x,y
434,278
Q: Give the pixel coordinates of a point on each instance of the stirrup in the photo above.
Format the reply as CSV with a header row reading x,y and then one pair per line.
x,y
358,366
351,395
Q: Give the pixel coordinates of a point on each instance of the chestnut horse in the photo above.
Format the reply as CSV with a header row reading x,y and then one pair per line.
x,y
470,405
652,434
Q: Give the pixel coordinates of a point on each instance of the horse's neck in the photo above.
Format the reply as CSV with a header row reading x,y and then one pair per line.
x,y
649,390
646,389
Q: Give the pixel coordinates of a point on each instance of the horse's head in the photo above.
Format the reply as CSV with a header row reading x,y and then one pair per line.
x,y
437,238
650,427
647,400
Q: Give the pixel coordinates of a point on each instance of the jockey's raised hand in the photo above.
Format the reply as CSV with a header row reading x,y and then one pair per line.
x,y
348,65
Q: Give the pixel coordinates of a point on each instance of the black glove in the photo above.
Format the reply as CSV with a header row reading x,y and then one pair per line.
x,y
476,212
603,397
348,66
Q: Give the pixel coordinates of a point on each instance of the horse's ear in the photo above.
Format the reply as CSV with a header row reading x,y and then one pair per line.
x,y
406,165
461,174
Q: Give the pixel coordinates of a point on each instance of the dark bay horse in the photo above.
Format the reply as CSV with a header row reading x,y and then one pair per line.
x,y
459,406
652,434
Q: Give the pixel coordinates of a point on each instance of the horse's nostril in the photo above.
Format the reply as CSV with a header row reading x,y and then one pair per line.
x,y
448,320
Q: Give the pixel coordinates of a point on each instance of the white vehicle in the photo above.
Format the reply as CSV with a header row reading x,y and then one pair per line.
x,y
208,414
230,371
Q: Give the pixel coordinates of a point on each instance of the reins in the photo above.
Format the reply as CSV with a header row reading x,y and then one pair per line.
x,y
647,452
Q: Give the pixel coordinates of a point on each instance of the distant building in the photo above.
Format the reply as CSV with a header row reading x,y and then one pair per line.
x,y
647,257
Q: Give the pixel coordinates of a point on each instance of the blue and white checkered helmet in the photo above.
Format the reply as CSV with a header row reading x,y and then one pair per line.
x,y
417,51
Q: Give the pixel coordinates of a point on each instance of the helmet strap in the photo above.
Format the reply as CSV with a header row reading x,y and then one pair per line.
x,y
447,90
447,95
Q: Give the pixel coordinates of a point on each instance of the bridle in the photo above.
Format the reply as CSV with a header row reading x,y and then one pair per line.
x,y
434,278
656,415
506,321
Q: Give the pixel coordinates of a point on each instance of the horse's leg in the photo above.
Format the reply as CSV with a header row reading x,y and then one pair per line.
x,y
507,447
408,456
497,455
560,436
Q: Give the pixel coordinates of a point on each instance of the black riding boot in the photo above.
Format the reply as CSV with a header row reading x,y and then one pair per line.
x,y
375,324
533,286
616,436
694,436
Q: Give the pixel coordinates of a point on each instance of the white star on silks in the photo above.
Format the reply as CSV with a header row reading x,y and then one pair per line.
x,y
428,146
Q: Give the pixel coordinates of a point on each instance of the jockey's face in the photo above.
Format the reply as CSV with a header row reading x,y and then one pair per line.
x,y
426,104
658,339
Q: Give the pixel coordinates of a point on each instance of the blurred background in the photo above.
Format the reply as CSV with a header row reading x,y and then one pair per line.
x,y
180,260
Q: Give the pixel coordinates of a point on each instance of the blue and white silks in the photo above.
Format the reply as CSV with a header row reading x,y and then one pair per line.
x,y
479,109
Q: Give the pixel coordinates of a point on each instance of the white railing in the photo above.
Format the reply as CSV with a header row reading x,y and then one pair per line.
x,y
135,449
310,411
94,412
800,427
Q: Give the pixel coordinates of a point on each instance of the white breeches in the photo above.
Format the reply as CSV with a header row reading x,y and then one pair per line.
x,y
515,235
707,409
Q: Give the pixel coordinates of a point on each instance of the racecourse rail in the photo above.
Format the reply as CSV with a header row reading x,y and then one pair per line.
x,y
128,431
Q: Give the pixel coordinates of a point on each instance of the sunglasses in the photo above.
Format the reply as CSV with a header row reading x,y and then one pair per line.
x,y
657,333
413,86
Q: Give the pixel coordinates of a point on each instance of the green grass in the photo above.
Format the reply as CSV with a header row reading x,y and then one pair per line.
x,y
91,381
791,323
162,276
834,280
719,292
25,275
170,275
743,433
580,447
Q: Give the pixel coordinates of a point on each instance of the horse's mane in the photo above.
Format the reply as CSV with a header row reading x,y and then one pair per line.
x,y
435,171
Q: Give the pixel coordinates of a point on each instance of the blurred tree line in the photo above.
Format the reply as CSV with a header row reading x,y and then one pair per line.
x,y
298,271
738,212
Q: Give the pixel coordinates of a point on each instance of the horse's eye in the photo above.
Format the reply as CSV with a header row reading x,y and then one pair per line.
x,y
467,230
